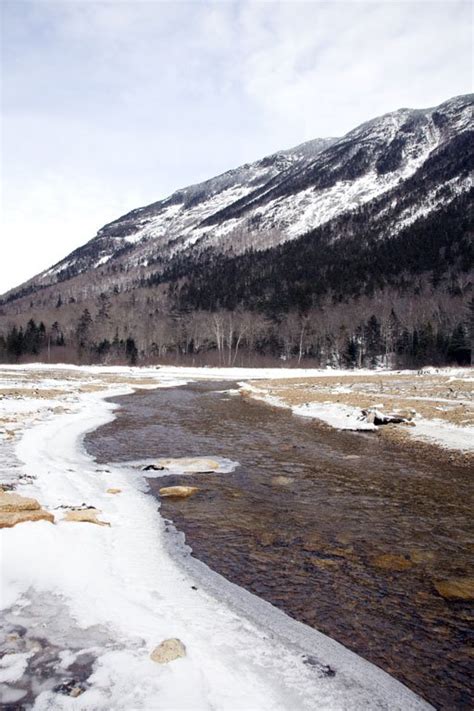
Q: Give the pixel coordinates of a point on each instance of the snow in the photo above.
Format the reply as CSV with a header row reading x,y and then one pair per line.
x,y
444,434
121,585
102,260
12,666
341,417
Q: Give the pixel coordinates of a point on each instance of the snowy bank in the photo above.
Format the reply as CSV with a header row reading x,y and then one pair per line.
x,y
437,404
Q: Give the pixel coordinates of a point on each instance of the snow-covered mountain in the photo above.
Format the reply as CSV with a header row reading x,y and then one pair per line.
x,y
405,164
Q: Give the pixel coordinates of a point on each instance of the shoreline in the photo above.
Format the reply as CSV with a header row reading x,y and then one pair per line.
x,y
131,577
340,401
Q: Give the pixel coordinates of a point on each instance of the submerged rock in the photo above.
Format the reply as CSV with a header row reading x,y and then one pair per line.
x,y
85,516
388,561
168,651
455,588
178,492
282,480
19,509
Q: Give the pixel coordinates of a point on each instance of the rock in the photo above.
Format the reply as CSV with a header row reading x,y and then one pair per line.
x,y
19,509
168,651
325,563
113,491
422,556
85,516
282,480
455,588
377,417
15,502
192,465
388,561
8,519
267,538
71,688
313,543
178,492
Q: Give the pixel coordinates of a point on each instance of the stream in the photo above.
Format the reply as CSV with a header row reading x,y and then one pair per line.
x,y
344,531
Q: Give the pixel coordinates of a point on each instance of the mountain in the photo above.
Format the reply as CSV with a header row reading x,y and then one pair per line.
x,y
385,209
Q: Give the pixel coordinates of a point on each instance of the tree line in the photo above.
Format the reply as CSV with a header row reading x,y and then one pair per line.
x,y
239,337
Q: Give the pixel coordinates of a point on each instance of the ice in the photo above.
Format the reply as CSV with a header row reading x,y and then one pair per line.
x,y
12,667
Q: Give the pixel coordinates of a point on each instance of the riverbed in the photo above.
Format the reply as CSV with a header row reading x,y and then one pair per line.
x,y
346,532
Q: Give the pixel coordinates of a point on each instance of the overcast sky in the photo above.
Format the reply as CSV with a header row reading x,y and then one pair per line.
x,y
107,106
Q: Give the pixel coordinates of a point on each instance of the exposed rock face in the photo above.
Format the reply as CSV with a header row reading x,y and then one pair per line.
x,y
18,509
85,516
456,588
168,651
178,492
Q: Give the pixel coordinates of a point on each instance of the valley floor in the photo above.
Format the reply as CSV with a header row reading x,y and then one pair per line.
x,y
84,605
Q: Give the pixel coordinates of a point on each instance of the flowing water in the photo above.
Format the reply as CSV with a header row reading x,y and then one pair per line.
x,y
344,531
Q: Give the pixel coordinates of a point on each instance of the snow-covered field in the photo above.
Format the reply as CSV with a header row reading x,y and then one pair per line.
x,y
78,595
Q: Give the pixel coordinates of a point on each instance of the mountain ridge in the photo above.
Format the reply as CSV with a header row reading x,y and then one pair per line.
x,y
269,179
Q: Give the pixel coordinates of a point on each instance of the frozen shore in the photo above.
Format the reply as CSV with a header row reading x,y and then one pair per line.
x,y
114,593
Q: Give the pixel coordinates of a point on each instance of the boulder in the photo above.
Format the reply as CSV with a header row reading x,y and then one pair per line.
x,y
168,651
178,492
85,516
455,588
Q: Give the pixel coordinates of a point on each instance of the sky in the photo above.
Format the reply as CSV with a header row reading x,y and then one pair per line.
x,y
108,106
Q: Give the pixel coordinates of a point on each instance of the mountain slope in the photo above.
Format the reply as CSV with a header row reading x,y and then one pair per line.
x,y
285,195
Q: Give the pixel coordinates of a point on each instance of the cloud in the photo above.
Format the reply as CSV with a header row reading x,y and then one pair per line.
x,y
110,105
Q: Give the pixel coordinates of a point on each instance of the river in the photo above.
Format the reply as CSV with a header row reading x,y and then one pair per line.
x,y
344,531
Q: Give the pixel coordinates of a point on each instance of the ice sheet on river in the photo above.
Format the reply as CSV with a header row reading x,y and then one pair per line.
x,y
112,594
